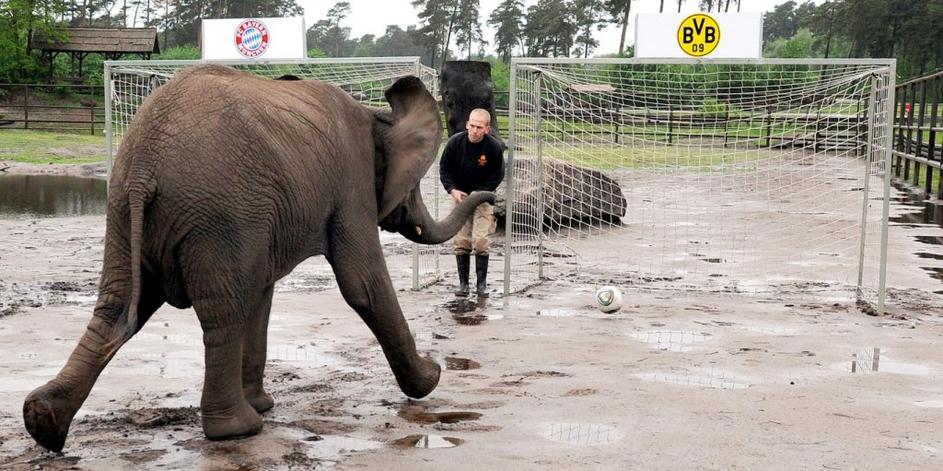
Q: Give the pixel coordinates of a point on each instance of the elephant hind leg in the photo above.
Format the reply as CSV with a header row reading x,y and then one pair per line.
x,y
225,411
254,348
48,410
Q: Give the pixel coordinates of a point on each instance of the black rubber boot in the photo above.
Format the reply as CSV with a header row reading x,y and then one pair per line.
x,y
481,270
464,265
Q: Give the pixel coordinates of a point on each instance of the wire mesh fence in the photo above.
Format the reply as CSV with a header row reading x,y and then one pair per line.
x,y
735,176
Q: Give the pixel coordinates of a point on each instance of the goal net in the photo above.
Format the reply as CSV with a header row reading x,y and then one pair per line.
x,y
728,176
129,83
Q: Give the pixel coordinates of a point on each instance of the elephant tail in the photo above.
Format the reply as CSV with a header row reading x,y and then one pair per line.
x,y
127,324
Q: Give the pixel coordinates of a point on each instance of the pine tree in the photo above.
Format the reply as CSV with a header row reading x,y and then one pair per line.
x,y
506,20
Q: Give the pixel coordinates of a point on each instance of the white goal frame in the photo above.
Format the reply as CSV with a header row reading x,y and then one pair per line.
x,y
120,107
525,267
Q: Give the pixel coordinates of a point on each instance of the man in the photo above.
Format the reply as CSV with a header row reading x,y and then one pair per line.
x,y
473,160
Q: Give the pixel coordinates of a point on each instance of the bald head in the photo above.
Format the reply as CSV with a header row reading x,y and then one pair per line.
x,y
479,124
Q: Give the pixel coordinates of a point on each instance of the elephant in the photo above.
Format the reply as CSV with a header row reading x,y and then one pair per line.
x,y
226,181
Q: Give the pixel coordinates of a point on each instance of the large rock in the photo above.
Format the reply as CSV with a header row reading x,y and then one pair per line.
x,y
570,194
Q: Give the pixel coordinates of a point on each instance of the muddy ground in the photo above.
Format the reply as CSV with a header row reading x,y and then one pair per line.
x,y
539,380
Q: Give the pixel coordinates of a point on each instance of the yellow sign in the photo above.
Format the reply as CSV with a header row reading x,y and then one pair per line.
x,y
698,35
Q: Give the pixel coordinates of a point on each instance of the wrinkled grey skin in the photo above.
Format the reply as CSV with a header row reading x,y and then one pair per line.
x,y
223,184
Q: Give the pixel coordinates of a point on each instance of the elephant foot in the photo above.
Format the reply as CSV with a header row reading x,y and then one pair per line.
x,y
260,400
242,422
422,381
44,418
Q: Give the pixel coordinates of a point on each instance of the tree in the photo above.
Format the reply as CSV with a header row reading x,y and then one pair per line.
x,y
822,25
619,11
398,42
467,26
18,20
337,35
549,29
435,17
506,20
587,15
781,22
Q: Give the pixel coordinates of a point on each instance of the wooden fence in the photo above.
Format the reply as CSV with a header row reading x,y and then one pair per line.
x,y
29,106
917,132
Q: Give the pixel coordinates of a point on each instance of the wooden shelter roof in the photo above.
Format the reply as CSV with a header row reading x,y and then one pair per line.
x,y
100,40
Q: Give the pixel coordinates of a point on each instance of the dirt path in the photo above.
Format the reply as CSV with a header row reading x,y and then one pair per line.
x,y
540,380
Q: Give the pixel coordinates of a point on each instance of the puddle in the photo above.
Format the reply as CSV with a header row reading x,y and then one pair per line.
x,y
51,195
417,413
930,214
718,380
931,240
426,441
769,329
556,313
458,364
875,360
463,305
935,272
582,434
670,340
306,283
714,260
307,355
476,319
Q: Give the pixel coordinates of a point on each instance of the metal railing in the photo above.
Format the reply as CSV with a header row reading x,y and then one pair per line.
x,y
28,106
918,134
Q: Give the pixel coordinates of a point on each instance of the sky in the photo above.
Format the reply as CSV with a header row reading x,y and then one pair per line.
x,y
372,17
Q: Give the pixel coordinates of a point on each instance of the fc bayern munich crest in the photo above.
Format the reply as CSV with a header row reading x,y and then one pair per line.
x,y
252,38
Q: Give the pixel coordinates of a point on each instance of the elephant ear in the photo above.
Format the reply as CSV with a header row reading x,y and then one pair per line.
x,y
412,143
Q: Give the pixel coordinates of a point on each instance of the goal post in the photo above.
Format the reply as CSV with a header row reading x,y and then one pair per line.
x,y
718,175
129,83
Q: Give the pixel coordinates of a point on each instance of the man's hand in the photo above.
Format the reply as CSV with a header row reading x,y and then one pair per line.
x,y
458,195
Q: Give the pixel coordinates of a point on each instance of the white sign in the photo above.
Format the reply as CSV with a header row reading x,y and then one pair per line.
x,y
699,35
254,38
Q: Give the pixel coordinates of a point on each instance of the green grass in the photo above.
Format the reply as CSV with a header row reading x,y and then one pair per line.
x,y
690,158
38,147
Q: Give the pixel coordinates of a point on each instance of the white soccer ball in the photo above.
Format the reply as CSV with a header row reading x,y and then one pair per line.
x,y
609,299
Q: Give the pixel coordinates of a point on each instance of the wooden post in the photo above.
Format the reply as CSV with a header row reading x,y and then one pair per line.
x,y
670,116
858,128
91,120
931,145
618,122
815,137
910,130
769,126
902,114
25,106
920,121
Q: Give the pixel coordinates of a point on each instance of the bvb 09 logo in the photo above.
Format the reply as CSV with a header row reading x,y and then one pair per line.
x,y
252,38
698,35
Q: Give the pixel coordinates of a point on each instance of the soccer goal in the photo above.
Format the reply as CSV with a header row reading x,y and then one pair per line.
x,y
128,84
713,175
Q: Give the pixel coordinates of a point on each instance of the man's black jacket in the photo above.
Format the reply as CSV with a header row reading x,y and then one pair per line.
x,y
470,166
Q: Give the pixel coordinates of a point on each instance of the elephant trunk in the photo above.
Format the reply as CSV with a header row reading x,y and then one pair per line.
x,y
423,229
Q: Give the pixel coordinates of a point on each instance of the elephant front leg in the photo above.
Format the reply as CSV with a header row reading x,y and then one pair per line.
x,y
254,348
225,411
365,284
